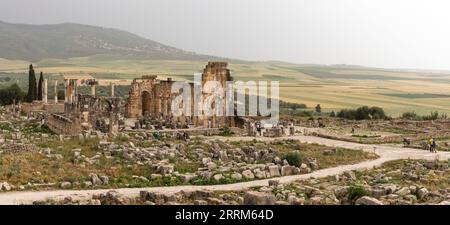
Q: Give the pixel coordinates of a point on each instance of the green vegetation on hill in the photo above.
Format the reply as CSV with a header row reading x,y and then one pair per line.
x,y
37,42
362,113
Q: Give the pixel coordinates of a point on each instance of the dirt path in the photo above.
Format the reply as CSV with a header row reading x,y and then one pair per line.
x,y
386,153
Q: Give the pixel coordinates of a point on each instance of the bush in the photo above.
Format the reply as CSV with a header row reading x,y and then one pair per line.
x,y
294,158
5,126
290,105
432,116
409,115
332,114
318,108
226,131
300,113
36,128
355,192
362,113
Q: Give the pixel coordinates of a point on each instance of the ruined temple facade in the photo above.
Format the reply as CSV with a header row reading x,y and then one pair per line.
x,y
152,98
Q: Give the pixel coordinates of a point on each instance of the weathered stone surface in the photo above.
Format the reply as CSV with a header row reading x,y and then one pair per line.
x,y
223,155
236,176
165,169
260,174
185,178
274,183
95,179
200,202
287,170
350,174
274,171
248,174
105,180
218,177
366,200
65,185
403,191
422,193
114,198
5,186
259,198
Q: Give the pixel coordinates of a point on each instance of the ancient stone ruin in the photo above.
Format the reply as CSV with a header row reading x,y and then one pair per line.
x,y
152,98
148,106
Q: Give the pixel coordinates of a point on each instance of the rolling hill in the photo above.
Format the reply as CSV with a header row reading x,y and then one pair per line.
x,y
68,40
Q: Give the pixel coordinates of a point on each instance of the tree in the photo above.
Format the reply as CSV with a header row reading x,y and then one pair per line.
x,y
318,108
39,90
332,114
31,85
61,94
11,94
362,113
377,113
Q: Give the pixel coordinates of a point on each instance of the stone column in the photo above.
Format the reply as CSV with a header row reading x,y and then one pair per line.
x,y
93,90
66,92
112,89
44,91
75,91
56,91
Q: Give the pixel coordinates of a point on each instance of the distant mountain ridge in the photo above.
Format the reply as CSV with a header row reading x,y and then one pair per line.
x,y
67,40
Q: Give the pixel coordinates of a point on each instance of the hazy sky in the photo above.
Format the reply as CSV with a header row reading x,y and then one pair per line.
x,y
382,33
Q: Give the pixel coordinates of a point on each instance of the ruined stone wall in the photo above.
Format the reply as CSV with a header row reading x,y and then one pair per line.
x,y
152,98
63,125
139,87
54,108
216,71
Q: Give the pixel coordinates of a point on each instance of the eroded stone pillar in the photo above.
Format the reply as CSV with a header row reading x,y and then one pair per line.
x,y
66,92
112,89
93,89
45,91
56,91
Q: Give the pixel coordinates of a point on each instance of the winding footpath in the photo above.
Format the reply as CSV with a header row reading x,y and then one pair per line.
x,y
386,153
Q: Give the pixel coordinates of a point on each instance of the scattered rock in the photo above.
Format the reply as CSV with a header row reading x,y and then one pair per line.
x,y
259,198
65,185
248,174
366,200
236,176
422,193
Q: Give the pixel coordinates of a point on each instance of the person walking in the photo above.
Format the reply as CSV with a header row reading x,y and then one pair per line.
x,y
434,146
430,144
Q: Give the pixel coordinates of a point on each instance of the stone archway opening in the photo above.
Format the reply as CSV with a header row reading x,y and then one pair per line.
x,y
146,103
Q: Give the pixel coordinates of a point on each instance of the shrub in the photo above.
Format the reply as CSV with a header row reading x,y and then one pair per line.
x,y
318,108
355,192
362,113
5,126
332,114
36,128
432,116
294,158
226,131
292,106
409,115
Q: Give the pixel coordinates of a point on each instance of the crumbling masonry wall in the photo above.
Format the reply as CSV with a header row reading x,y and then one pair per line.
x,y
152,98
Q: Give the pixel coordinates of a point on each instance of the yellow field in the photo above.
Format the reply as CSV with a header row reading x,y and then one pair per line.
x,y
334,87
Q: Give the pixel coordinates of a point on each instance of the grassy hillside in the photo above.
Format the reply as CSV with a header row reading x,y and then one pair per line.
x,y
334,87
36,42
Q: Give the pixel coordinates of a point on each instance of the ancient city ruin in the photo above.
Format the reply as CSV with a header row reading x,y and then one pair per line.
x,y
148,106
